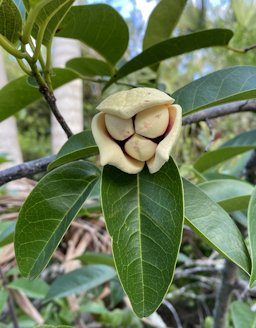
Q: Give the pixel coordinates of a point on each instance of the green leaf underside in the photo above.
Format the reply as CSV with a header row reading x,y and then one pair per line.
x,y
236,146
35,289
62,7
10,20
173,47
47,213
252,236
232,195
215,226
18,94
162,21
226,85
80,281
144,216
242,316
78,146
100,27
86,66
96,258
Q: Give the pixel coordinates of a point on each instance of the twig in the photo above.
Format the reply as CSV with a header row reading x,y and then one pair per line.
x,y
25,169
175,315
39,165
51,100
10,303
212,134
227,285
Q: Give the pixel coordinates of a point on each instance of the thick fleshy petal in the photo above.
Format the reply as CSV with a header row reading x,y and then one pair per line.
x,y
165,147
110,152
126,104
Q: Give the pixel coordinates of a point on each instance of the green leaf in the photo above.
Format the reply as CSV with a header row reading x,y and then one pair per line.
x,y
226,85
47,213
18,94
252,236
51,326
86,66
215,226
3,298
6,234
80,281
96,258
238,145
232,195
173,47
241,315
10,20
78,146
49,18
162,21
99,27
144,216
36,288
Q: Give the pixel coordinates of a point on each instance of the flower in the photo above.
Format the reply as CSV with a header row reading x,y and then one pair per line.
x,y
137,126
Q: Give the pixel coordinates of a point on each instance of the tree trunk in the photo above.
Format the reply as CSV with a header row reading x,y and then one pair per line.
x,y
70,96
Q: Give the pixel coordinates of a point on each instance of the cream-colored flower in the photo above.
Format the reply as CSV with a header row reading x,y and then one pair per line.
x,y
137,126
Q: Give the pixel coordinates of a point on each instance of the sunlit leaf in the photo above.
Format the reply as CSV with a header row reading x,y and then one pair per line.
x,y
10,20
99,27
173,47
226,85
162,21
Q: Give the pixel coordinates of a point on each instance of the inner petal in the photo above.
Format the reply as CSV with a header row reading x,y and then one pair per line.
x,y
119,128
153,122
140,148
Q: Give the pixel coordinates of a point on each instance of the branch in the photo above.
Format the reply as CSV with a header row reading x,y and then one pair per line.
x,y
40,165
51,101
25,169
219,111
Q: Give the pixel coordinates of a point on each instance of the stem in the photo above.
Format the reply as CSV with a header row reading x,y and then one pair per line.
x,y
224,293
10,302
8,46
24,67
51,100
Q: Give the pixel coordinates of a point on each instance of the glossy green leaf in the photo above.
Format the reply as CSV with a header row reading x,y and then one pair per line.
x,y
78,146
226,85
242,316
173,47
32,288
80,281
7,233
17,94
49,18
232,195
162,21
10,20
215,226
144,216
238,145
47,213
96,258
86,66
99,27
252,236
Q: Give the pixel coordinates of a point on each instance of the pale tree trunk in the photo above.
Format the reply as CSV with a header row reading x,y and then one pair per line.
x,y
9,145
70,96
